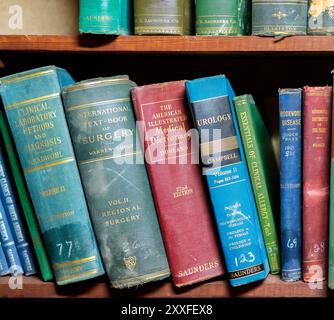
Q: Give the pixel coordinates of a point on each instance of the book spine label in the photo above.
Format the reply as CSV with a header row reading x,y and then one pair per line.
x,y
316,160
290,101
105,17
8,244
331,212
178,188
3,262
8,199
35,113
24,198
174,17
226,172
321,17
245,108
277,18
222,17
100,117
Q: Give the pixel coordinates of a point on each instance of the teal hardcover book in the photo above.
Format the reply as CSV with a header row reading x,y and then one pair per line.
x,y
36,117
103,128
106,17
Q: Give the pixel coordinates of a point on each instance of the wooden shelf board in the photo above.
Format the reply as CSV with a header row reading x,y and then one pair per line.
x,y
271,287
171,44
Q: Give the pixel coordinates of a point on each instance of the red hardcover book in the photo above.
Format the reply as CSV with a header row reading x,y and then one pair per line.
x,y
185,218
316,178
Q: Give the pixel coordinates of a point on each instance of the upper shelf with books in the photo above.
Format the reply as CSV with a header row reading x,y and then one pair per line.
x,y
318,45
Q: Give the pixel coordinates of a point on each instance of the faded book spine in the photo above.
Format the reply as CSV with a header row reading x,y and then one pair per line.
x,y
178,187
165,17
103,129
316,177
36,117
290,104
321,17
277,18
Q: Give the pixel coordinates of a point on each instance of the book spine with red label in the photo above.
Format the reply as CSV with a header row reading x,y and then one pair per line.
x,y
316,166
178,187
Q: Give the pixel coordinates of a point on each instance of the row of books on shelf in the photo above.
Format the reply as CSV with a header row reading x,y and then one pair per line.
x,y
203,17
101,192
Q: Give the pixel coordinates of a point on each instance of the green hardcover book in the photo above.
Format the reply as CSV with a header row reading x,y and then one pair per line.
x,y
263,172
25,200
165,17
222,17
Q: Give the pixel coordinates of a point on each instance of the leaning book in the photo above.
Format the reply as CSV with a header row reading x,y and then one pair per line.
x,y
36,117
103,128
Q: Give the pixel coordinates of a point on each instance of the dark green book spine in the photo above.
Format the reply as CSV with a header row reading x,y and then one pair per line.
x,y
103,129
263,172
222,17
165,17
25,201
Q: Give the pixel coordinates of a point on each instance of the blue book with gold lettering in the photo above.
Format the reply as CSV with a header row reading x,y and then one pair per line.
x,y
35,113
11,207
225,168
3,262
8,244
290,104
103,128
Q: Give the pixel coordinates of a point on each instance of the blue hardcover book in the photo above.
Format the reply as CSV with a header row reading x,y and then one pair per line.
x,y
8,244
290,103
225,167
3,262
35,113
8,199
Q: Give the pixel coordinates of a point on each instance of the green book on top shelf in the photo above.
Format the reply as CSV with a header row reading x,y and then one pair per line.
x,y
263,172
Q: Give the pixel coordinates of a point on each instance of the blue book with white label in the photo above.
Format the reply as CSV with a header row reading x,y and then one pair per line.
x,y
8,199
3,262
224,164
290,103
8,244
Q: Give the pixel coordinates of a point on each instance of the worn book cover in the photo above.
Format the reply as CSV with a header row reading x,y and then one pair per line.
x,y
279,18
317,114
103,128
36,117
290,108
165,17
321,17
178,187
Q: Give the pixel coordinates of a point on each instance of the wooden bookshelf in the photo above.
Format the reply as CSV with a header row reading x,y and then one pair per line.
x,y
171,44
271,287
253,64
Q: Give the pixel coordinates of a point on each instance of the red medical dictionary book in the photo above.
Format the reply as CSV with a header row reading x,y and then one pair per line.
x,y
185,218
316,179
